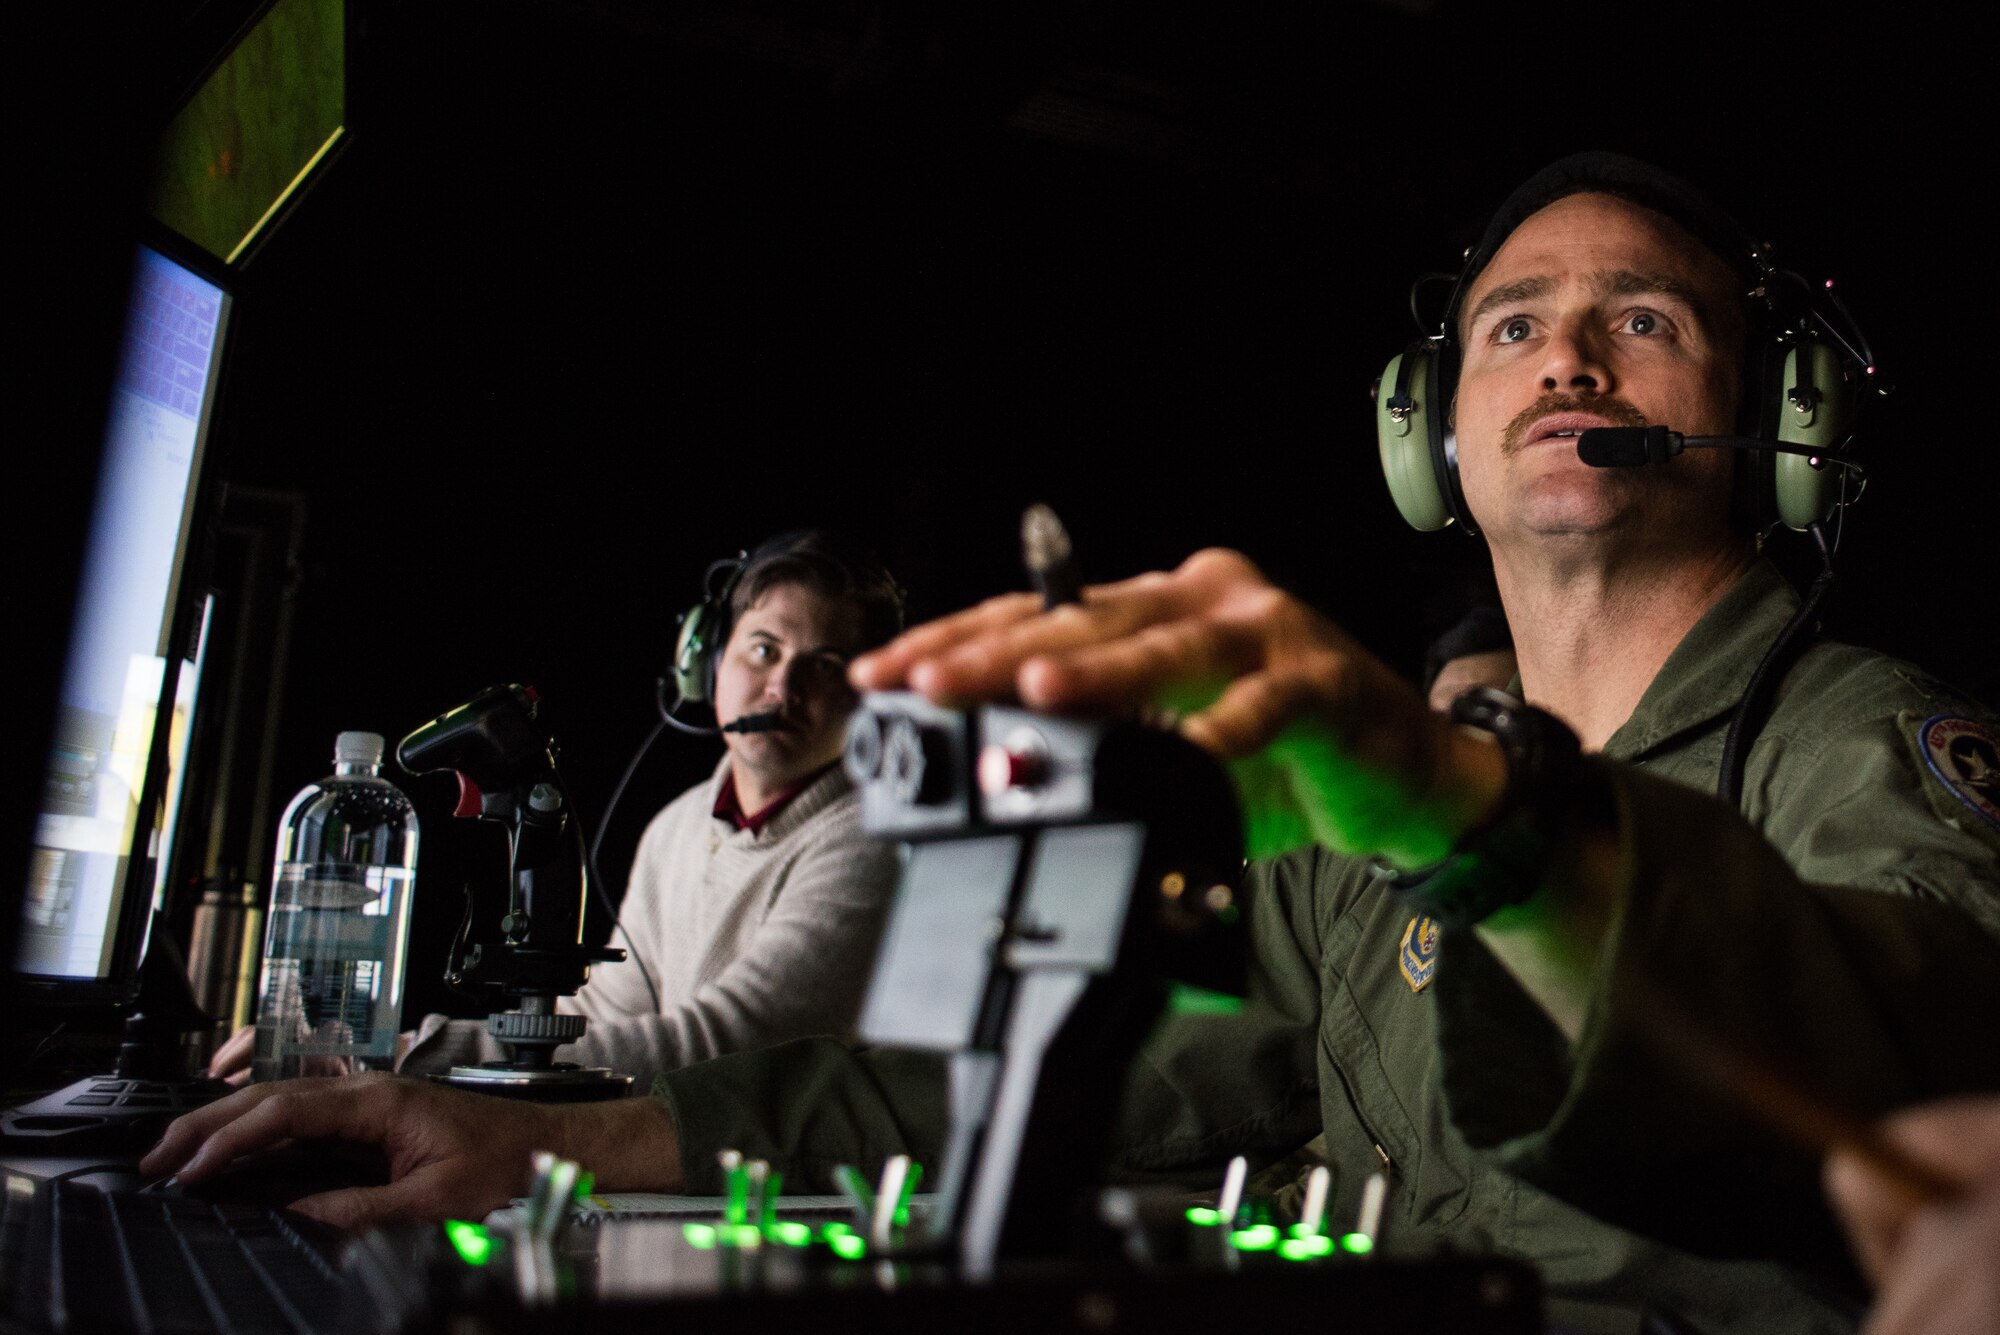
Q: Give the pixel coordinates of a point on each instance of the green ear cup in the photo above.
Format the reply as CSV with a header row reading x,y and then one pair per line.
x,y
1404,427
1805,495
693,647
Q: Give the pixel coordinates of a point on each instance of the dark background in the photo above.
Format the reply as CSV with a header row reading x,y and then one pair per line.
x,y
598,293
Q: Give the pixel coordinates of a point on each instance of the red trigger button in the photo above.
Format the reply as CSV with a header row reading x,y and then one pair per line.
x,y
469,797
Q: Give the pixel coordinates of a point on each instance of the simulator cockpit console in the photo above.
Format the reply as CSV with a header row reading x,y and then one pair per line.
x,y
1065,880
1062,875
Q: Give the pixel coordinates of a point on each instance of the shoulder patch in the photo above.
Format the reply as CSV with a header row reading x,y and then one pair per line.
x,y
1418,956
1964,757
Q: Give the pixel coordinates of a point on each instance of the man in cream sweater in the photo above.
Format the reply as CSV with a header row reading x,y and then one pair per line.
x,y
755,901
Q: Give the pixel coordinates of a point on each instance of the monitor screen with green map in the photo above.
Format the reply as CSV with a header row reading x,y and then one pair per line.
x,y
256,129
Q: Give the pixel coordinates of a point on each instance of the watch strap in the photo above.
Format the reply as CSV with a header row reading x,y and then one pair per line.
x,y
1503,860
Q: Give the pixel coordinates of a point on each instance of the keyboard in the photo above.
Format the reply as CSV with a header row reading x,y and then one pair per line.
x,y
105,1112
169,1096
73,1258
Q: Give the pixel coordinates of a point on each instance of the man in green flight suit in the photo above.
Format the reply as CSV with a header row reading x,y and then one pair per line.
x,y
1521,955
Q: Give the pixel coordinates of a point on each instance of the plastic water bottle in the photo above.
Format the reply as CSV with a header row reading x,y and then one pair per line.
x,y
331,997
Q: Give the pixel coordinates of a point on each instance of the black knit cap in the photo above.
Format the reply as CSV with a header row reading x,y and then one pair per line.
x,y
1629,179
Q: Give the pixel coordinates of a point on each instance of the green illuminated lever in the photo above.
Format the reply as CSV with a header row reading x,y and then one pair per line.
x,y
1368,1224
1312,1218
756,1175
910,1181
767,1201
859,1194
472,1242
552,1197
891,1196
845,1242
1231,1200
735,1188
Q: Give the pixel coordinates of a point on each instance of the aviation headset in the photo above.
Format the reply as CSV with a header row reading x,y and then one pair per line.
x,y
1806,363
704,628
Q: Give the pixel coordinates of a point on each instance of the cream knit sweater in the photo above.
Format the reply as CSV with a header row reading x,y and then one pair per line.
x,y
751,939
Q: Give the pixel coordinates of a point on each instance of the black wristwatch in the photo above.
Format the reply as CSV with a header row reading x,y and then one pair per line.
x,y
1503,860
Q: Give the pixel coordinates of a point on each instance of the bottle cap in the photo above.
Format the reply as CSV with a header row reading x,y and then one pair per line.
x,y
358,748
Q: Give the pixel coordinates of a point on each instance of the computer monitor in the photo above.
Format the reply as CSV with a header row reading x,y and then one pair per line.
x,y
128,683
259,129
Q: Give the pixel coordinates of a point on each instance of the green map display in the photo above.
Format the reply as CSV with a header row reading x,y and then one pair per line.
x,y
253,132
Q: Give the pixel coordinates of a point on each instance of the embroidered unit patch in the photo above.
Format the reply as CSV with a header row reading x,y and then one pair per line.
x,y
1418,958
1964,755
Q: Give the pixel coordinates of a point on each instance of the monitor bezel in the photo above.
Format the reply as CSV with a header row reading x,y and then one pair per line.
x,y
138,896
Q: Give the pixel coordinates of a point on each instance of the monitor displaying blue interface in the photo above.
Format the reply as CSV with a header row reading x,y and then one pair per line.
x,y
96,845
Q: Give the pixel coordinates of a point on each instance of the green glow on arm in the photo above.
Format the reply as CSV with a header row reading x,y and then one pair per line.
x,y
1358,1243
1553,942
848,1246
1187,1000
1273,821
1203,1215
1355,793
792,1233
472,1242
1306,1248
699,1235
1353,806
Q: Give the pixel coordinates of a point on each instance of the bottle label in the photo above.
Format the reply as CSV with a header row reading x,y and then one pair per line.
x,y
335,935
362,1046
329,886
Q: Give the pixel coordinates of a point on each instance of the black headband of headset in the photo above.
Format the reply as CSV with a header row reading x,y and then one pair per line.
x,y
1630,179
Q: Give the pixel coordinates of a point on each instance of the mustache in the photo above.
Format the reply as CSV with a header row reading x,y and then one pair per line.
x,y
766,722
1617,411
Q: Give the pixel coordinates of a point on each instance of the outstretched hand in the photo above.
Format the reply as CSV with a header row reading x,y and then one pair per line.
x,y
450,1154
1325,741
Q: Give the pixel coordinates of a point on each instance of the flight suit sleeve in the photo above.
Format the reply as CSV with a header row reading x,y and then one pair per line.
x,y
1848,952
1210,1086
806,1107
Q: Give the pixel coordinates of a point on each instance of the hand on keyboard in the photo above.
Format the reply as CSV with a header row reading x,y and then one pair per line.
x,y
449,1154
